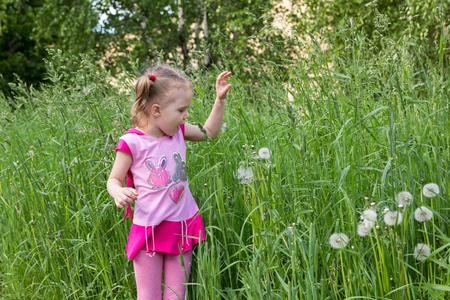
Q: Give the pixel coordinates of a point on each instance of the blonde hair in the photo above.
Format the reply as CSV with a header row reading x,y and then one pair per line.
x,y
150,89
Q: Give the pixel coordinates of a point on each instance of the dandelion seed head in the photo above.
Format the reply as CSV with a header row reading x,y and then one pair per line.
x,y
430,190
339,240
364,229
291,230
369,215
264,153
393,217
386,209
423,214
421,251
224,127
245,174
404,198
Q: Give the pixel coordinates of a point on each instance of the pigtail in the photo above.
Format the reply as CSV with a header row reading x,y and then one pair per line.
x,y
144,89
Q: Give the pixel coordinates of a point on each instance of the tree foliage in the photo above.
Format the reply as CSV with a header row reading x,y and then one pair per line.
x,y
28,27
420,21
188,32
198,33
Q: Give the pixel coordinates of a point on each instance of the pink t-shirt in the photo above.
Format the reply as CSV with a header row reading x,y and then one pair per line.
x,y
159,175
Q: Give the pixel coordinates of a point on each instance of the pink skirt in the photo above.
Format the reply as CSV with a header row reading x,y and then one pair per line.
x,y
167,237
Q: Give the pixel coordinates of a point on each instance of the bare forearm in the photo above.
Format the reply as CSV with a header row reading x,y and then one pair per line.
x,y
113,185
214,122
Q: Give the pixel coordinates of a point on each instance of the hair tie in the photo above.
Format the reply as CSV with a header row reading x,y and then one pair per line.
x,y
151,77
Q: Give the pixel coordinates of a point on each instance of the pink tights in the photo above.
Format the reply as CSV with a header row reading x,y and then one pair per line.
x,y
148,272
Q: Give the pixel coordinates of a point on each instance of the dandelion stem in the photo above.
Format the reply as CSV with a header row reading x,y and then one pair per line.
x,y
343,274
376,263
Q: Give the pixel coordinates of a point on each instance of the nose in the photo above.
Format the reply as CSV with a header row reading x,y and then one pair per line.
x,y
186,115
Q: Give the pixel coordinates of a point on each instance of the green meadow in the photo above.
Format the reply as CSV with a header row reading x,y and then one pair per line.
x,y
344,134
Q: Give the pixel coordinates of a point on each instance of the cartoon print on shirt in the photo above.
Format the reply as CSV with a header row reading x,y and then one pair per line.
x,y
159,176
176,194
180,168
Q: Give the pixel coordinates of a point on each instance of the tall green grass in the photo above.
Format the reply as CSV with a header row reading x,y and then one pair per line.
x,y
343,131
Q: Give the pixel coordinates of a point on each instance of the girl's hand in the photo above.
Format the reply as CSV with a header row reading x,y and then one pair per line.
x,y
124,196
222,86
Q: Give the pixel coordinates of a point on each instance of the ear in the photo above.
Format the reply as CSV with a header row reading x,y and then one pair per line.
x,y
149,164
162,162
155,110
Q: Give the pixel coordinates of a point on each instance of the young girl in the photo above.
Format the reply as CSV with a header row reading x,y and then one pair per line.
x,y
152,155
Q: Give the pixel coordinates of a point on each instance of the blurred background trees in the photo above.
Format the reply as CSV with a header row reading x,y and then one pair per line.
x,y
197,33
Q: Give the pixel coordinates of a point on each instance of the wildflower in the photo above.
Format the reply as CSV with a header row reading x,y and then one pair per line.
x,y
430,190
404,198
338,240
264,153
369,215
245,174
421,251
386,209
224,127
392,217
364,228
291,230
423,214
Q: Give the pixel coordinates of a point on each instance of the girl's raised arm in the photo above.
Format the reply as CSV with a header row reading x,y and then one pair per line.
x,y
122,195
214,122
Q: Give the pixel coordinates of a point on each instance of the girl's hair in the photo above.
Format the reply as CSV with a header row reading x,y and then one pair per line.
x,y
148,90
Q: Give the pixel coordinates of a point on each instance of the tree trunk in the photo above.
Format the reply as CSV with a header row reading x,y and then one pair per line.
x,y
207,59
182,35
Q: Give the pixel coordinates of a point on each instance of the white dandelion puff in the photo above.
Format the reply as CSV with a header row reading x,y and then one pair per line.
x,y
430,190
245,174
404,198
369,215
386,209
264,153
393,217
364,228
339,240
423,214
421,251
224,127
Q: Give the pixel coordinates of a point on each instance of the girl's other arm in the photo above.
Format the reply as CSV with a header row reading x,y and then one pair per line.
x,y
214,122
122,195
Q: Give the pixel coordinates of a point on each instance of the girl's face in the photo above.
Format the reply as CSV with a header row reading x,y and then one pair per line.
x,y
174,111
